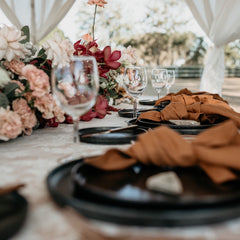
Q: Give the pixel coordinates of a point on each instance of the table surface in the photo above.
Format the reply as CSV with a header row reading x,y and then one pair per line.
x,y
29,159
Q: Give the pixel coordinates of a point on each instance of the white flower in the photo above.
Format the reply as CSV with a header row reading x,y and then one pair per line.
x,y
4,78
58,50
129,55
10,47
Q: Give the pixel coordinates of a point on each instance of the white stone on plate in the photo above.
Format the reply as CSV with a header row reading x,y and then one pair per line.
x,y
167,182
185,122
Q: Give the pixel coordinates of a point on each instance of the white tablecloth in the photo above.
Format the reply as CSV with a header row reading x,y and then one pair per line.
x,y
29,159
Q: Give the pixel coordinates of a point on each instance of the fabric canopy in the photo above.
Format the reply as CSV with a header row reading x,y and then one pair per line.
x,y
42,16
220,20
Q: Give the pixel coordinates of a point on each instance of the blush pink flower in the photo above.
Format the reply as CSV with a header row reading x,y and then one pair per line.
x,y
69,90
58,113
49,109
100,3
15,66
45,105
10,46
10,124
58,50
38,80
129,55
27,115
87,37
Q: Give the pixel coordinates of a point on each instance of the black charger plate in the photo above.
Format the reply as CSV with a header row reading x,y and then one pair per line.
x,y
127,113
148,102
64,193
121,137
182,129
13,212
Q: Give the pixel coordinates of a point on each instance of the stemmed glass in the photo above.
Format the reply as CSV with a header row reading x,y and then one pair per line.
x,y
170,80
159,79
134,82
75,88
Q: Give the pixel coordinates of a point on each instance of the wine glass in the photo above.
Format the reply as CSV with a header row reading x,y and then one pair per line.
x,y
134,82
75,88
159,79
170,80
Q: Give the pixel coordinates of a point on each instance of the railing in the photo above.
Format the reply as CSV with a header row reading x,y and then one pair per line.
x,y
196,71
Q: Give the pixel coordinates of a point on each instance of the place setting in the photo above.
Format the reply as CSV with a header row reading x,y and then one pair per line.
x,y
155,188
148,184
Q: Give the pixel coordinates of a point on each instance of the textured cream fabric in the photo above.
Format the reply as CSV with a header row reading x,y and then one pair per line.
x,y
29,159
220,20
42,16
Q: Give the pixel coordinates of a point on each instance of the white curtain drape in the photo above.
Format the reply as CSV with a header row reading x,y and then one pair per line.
x,y
220,20
42,16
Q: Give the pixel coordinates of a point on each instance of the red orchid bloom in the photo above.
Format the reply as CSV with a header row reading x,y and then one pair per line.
x,y
101,106
80,49
89,115
111,58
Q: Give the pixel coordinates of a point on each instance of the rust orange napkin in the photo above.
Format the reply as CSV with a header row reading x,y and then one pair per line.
x,y
215,150
187,97
204,113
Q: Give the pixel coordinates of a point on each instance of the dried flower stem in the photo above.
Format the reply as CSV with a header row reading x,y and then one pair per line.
x,y
94,18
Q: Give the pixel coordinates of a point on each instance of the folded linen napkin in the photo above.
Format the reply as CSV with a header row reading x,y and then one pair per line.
x,y
10,188
215,150
187,97
203,113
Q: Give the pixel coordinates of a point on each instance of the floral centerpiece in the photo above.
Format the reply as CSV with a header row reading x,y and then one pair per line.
x,y
26,102
25,99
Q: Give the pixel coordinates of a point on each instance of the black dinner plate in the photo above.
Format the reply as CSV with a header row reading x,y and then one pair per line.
x,y
182,129
121,137
63,192
13,212
128,187
149,102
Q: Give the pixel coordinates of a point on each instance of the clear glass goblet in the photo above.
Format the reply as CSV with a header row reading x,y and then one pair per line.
x,y
134,82
170,80
75,88
159,79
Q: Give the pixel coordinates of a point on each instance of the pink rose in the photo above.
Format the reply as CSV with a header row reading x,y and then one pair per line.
x,y
38,80
10,124
45,105
58,113
27,116
49,109
15,66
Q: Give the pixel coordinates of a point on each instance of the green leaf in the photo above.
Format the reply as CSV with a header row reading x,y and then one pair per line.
x,y
3,100
42,52
26,32
9,90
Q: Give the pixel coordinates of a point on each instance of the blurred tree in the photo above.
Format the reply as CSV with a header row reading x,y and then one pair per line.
x,y
232,54
153,47
197,52
159,34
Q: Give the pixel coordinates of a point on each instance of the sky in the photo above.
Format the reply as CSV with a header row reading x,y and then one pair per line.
x,y
132,8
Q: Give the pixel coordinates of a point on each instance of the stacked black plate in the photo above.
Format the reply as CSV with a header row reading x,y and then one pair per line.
x,y
13,212
122,197
182,129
